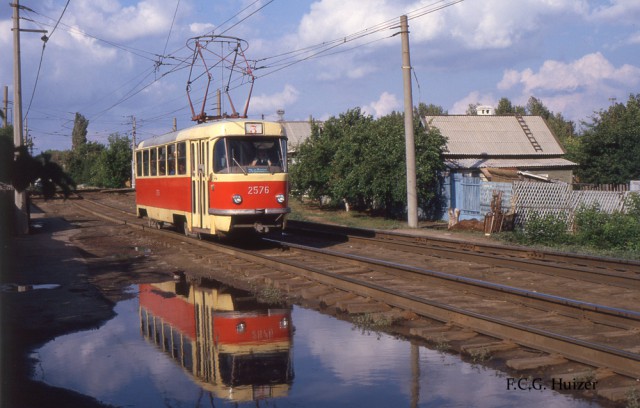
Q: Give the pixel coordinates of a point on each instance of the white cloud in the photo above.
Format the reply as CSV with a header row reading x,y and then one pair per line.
x,y
634,39
332,19
460,107
501,24
109,19
386,104
269,104
617,12
589,72
577,88
200,28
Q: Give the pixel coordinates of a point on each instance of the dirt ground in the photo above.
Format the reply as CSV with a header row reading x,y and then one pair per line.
x,y
91,263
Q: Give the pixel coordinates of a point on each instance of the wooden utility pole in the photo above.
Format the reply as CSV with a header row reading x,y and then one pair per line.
x,y
412,196
20,199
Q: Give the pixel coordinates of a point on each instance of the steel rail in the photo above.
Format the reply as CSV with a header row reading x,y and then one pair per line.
x,y
622,273
622,318
590,353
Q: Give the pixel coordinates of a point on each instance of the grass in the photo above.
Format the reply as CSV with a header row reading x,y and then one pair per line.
x,y
313,213
271,295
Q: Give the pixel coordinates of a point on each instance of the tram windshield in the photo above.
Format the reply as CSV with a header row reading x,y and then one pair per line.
x,y
250,155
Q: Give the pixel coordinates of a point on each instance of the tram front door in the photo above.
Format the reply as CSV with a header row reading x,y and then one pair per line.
x,y
199,181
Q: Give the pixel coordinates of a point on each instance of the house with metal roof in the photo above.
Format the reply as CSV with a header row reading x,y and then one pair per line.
x,y
297,132
486,148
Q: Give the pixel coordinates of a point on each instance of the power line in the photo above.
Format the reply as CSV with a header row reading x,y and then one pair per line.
x,y
44,44
289,58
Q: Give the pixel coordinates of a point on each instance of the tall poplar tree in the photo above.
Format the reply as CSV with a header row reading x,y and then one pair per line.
x,y
79,133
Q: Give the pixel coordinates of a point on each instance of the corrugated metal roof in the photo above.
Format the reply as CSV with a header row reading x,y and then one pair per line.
x,y
494,135
508,163
297,132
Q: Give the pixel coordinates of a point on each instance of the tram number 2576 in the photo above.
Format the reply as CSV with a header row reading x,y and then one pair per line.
x,y
257,190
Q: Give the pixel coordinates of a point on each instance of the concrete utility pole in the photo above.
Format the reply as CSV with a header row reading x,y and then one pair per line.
x,y
20,199
412,196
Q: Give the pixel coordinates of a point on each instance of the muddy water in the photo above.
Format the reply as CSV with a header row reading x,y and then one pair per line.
x,y
178,345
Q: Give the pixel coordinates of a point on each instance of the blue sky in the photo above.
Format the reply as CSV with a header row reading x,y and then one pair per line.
x,y
112,60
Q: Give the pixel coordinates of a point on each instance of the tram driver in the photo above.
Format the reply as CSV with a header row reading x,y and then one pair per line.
x,y
262,159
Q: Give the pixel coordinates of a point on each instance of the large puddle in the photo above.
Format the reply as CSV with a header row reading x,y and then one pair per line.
x,y
178,345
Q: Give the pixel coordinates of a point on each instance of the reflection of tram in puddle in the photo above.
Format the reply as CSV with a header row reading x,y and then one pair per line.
x,y
233,346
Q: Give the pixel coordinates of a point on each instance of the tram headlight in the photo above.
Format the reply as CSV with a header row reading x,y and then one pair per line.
x,y
241,327
237,199
284,323
280,198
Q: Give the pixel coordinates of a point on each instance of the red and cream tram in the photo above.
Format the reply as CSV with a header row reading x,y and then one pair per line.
x,y
215,178
231,345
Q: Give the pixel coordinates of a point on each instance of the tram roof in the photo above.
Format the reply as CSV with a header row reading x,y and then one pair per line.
x,y
226,127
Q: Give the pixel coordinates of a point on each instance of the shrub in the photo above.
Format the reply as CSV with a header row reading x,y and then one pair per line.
x,y
546,229
618,230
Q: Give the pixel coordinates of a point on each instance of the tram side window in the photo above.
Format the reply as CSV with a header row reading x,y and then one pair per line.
x,y
138,164
162,160
154,162
182,158
171,159
193,159
145,162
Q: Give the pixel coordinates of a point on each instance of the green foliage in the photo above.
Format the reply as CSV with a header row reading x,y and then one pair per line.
x,y
6,152
101,166
564,129
546,229
597,229
114,164
505,107
360,160
429,110
81,163
593,229
20,169
610,146
310,172
79,132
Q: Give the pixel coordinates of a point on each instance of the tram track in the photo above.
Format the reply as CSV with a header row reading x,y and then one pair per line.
x,y
598,335
610,271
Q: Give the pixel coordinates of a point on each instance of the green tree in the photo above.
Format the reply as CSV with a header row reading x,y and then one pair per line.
x,y
6,150
565,130
429,110
505,107
472,109
362,161
81,163
311,171
114,163
349,178
20,169
610,145
79,132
